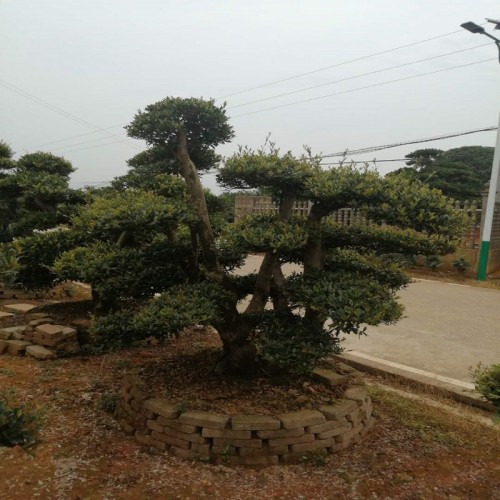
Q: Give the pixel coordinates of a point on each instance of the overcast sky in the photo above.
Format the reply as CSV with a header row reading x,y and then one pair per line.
x,y
97,62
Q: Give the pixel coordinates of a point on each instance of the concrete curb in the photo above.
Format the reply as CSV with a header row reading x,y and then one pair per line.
x,y
437,384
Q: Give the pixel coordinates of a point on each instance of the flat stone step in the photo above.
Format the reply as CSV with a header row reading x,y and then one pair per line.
x,y
5,315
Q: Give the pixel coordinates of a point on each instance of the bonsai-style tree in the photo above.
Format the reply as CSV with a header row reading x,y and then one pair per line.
x,y
345,285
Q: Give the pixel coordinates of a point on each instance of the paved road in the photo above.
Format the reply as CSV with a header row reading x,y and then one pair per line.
x,y
447,328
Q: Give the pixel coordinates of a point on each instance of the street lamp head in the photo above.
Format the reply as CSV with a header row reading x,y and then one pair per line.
x,y
472,27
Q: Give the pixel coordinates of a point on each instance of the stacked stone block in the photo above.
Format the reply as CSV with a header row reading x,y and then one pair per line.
x,y
40,338
244,439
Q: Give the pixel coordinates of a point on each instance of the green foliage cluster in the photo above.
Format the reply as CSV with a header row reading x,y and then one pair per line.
x,y
487,382
20,422
461,264
459,173
9,265
291,344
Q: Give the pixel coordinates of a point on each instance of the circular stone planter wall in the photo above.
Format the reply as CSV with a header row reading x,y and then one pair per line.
x,y
244,439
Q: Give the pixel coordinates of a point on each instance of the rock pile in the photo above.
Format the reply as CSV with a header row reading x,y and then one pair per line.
x,y
40,338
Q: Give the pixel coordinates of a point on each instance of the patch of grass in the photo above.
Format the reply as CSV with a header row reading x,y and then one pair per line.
x,y
427,423
6,372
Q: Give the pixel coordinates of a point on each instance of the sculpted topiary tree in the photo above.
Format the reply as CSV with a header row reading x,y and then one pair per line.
x,y
345,285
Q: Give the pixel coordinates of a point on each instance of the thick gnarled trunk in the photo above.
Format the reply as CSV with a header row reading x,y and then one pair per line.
x,y
239,354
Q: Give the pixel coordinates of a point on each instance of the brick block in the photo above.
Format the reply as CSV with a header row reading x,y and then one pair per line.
x,y
226,434
354,417
154,426
243,443
345,437
254,423
357,393
160,406
19,308
334,432
170,440
339,447
17,347
327,426
306,438
10,332
204,419
329,377
39,352
281,433
339,410
317,444
5,315
41,321
33,316
159,445
142,438
203,449
192,438
176,425
302,418
50,331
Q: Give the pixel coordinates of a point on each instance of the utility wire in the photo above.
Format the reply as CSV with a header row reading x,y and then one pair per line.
x,y
60,111
362,88
357,76
371,149
68,138
374,160
375,54
85,142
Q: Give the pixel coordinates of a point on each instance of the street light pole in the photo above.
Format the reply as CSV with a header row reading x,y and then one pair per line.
x,y
492,193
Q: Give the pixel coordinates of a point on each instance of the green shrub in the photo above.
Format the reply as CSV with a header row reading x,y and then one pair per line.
x,y
20,422
433,262
487,382
461,264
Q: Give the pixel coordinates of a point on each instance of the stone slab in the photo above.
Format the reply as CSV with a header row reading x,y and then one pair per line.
x,y
204,419
255,423
339,410
19,308
329,377
50,331
5,315
17,347
302,418
39,352
161,407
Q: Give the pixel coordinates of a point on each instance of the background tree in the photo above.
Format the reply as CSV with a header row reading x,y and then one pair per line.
x,y
35,191
459,173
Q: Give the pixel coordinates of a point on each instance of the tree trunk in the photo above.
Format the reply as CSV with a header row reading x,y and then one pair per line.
x,y
314,254
267,268
239,354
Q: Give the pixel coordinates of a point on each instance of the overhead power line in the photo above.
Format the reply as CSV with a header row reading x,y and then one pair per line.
x,y
371,149
369,56
374,160
363,88
68,138
60,111
357,76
